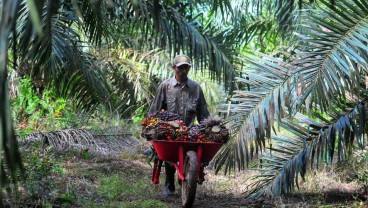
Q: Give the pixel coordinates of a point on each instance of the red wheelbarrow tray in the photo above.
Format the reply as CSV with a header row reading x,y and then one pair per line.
x,y
169,150
173,151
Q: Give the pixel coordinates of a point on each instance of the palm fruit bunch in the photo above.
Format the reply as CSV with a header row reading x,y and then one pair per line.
x,y
164,125
209,130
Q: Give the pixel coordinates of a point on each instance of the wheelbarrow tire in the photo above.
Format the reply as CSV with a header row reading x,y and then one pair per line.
x,y
189,185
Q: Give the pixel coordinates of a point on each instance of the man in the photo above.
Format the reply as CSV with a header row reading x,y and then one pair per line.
x,y
182,96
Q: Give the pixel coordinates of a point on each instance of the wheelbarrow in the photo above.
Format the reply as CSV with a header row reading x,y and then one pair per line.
x,y
188,159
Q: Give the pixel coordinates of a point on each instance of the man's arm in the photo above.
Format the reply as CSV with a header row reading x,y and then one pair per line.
x,y
158,102
156,105
202,110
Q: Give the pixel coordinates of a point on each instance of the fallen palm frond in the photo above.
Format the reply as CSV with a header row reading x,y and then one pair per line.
x,y
79,139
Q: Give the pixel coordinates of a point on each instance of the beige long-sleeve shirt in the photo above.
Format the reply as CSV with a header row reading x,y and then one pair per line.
x,y
185,99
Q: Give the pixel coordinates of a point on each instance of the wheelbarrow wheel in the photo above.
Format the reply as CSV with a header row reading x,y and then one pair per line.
x,y
189,185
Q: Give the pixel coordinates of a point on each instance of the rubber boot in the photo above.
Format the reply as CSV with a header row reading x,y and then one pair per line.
x,y
170,179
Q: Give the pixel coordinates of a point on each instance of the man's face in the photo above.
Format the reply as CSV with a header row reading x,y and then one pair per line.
x,y
182,71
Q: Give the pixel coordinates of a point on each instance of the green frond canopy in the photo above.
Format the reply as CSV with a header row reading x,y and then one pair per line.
x,y
168,28
132,76
55,56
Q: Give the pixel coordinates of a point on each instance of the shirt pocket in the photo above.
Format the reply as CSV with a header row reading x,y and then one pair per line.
x,y
171,103
192,105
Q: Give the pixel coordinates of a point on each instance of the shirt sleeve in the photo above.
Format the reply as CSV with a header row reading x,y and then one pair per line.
x,y
202,110
159,102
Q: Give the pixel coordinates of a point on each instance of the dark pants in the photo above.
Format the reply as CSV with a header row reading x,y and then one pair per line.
x,y
170,176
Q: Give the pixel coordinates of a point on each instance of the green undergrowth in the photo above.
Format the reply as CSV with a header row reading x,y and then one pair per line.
x,y
70,179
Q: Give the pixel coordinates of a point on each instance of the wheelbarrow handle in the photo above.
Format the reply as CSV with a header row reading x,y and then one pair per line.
x,y
157,164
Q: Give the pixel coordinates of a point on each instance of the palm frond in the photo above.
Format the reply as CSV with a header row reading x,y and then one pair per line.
x,y
279,175
214,93
262,28
83,140
330,78
56,57
9,156
312,144
168,28
87,86
279,169
224,7
96,16
254,111
285,13
333,62
132,75
234,8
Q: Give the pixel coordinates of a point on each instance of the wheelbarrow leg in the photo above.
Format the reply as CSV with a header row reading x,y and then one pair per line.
x,y
200,173
180,167
156,170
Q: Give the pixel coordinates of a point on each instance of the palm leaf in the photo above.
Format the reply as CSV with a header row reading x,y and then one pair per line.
x,y
286,13
133,76
333,61
168,28
254,112
82,140
262,28
57,57
332,85
9,156
279,174
273,179
96,16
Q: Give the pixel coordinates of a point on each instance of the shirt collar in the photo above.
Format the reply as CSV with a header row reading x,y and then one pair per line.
x,y
173,82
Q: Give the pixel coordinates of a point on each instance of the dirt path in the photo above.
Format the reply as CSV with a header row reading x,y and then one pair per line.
x,y
126,182
219,191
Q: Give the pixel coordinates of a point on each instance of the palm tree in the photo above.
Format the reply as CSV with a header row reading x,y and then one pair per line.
x,y
7,138
51,42
317,94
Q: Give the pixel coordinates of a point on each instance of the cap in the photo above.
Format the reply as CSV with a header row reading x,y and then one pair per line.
x,y
181,60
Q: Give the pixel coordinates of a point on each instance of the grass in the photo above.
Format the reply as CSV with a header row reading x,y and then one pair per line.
x,y
120,186
96,181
